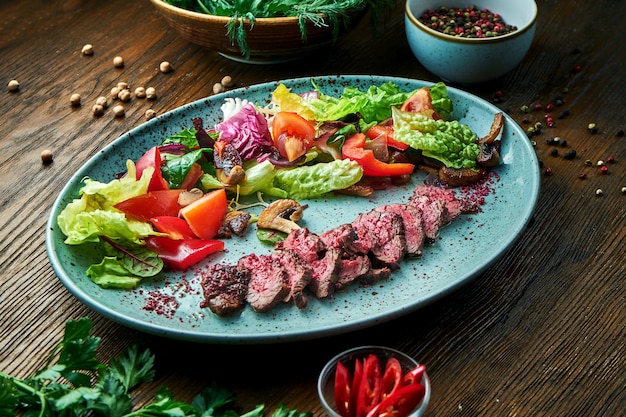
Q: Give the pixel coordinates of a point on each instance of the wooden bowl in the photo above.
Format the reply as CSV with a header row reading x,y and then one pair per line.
x,y
271,40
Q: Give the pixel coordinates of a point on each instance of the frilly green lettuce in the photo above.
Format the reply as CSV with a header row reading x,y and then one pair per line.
x,y
93,215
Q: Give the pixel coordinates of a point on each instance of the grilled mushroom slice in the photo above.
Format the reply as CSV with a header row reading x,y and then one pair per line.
x,y
281,215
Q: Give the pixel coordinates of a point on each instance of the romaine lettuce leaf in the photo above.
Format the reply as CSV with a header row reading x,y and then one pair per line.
x,y
451,143
315,180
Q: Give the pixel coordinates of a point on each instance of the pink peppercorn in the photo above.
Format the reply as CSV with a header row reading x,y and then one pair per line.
x,y
582,175
610,159
548,171
604,169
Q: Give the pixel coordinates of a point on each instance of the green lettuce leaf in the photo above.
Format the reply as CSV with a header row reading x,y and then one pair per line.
x,y
93,215
451,143
315,180
260,177
111,273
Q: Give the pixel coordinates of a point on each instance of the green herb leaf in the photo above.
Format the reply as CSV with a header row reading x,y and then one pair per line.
x,y
133,368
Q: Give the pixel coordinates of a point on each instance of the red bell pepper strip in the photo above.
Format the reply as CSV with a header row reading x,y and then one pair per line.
x,y
152,158
371,386
354,149
175,227
182,254
392,377
342,390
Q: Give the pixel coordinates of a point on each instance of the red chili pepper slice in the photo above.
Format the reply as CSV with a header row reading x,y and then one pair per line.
x,y
401,403
371,386
392,377
342,390
414,376
356,383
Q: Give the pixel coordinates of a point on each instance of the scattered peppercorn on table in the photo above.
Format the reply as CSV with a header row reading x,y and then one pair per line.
x,y
538,332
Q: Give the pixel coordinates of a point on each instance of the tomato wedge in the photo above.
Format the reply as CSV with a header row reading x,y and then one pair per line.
x,y
152,158
293,134
175,227
205,215
401,403
342,390
182,254
371,386
392,377
354,149
152,204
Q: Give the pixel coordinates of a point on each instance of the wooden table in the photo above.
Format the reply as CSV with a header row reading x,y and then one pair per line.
x,y
542,332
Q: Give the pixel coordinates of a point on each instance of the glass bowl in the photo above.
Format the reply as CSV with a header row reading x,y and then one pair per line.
x,y
326,380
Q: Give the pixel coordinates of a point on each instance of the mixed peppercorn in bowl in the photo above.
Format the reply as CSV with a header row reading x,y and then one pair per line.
x,y
470,42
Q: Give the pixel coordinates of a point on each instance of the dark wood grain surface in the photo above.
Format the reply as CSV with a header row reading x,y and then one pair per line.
x,y
542,332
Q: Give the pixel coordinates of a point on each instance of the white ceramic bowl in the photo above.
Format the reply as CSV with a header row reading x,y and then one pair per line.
x,y
471,60
326,380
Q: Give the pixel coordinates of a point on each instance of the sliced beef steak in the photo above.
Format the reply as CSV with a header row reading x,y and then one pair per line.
x,y
381,234
299,275
303,242
225,288
325,273
413,226
433,212
268,283
341,237
453,206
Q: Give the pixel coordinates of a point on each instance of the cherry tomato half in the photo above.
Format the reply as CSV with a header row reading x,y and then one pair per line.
x,y
293,135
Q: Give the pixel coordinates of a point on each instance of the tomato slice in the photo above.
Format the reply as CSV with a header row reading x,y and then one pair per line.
x,y
152,158
342,390
419,102
353,148
205,215
152,204
371,386
392,377
182,254
401,403
293,135
414,376
175,227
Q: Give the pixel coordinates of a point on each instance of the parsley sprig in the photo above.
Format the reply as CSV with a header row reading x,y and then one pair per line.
x,y
74,382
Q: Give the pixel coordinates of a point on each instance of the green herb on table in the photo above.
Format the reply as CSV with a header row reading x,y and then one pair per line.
x,y
75,383
331,13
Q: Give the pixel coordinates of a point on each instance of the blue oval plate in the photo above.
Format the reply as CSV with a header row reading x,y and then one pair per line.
x,y
171,306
